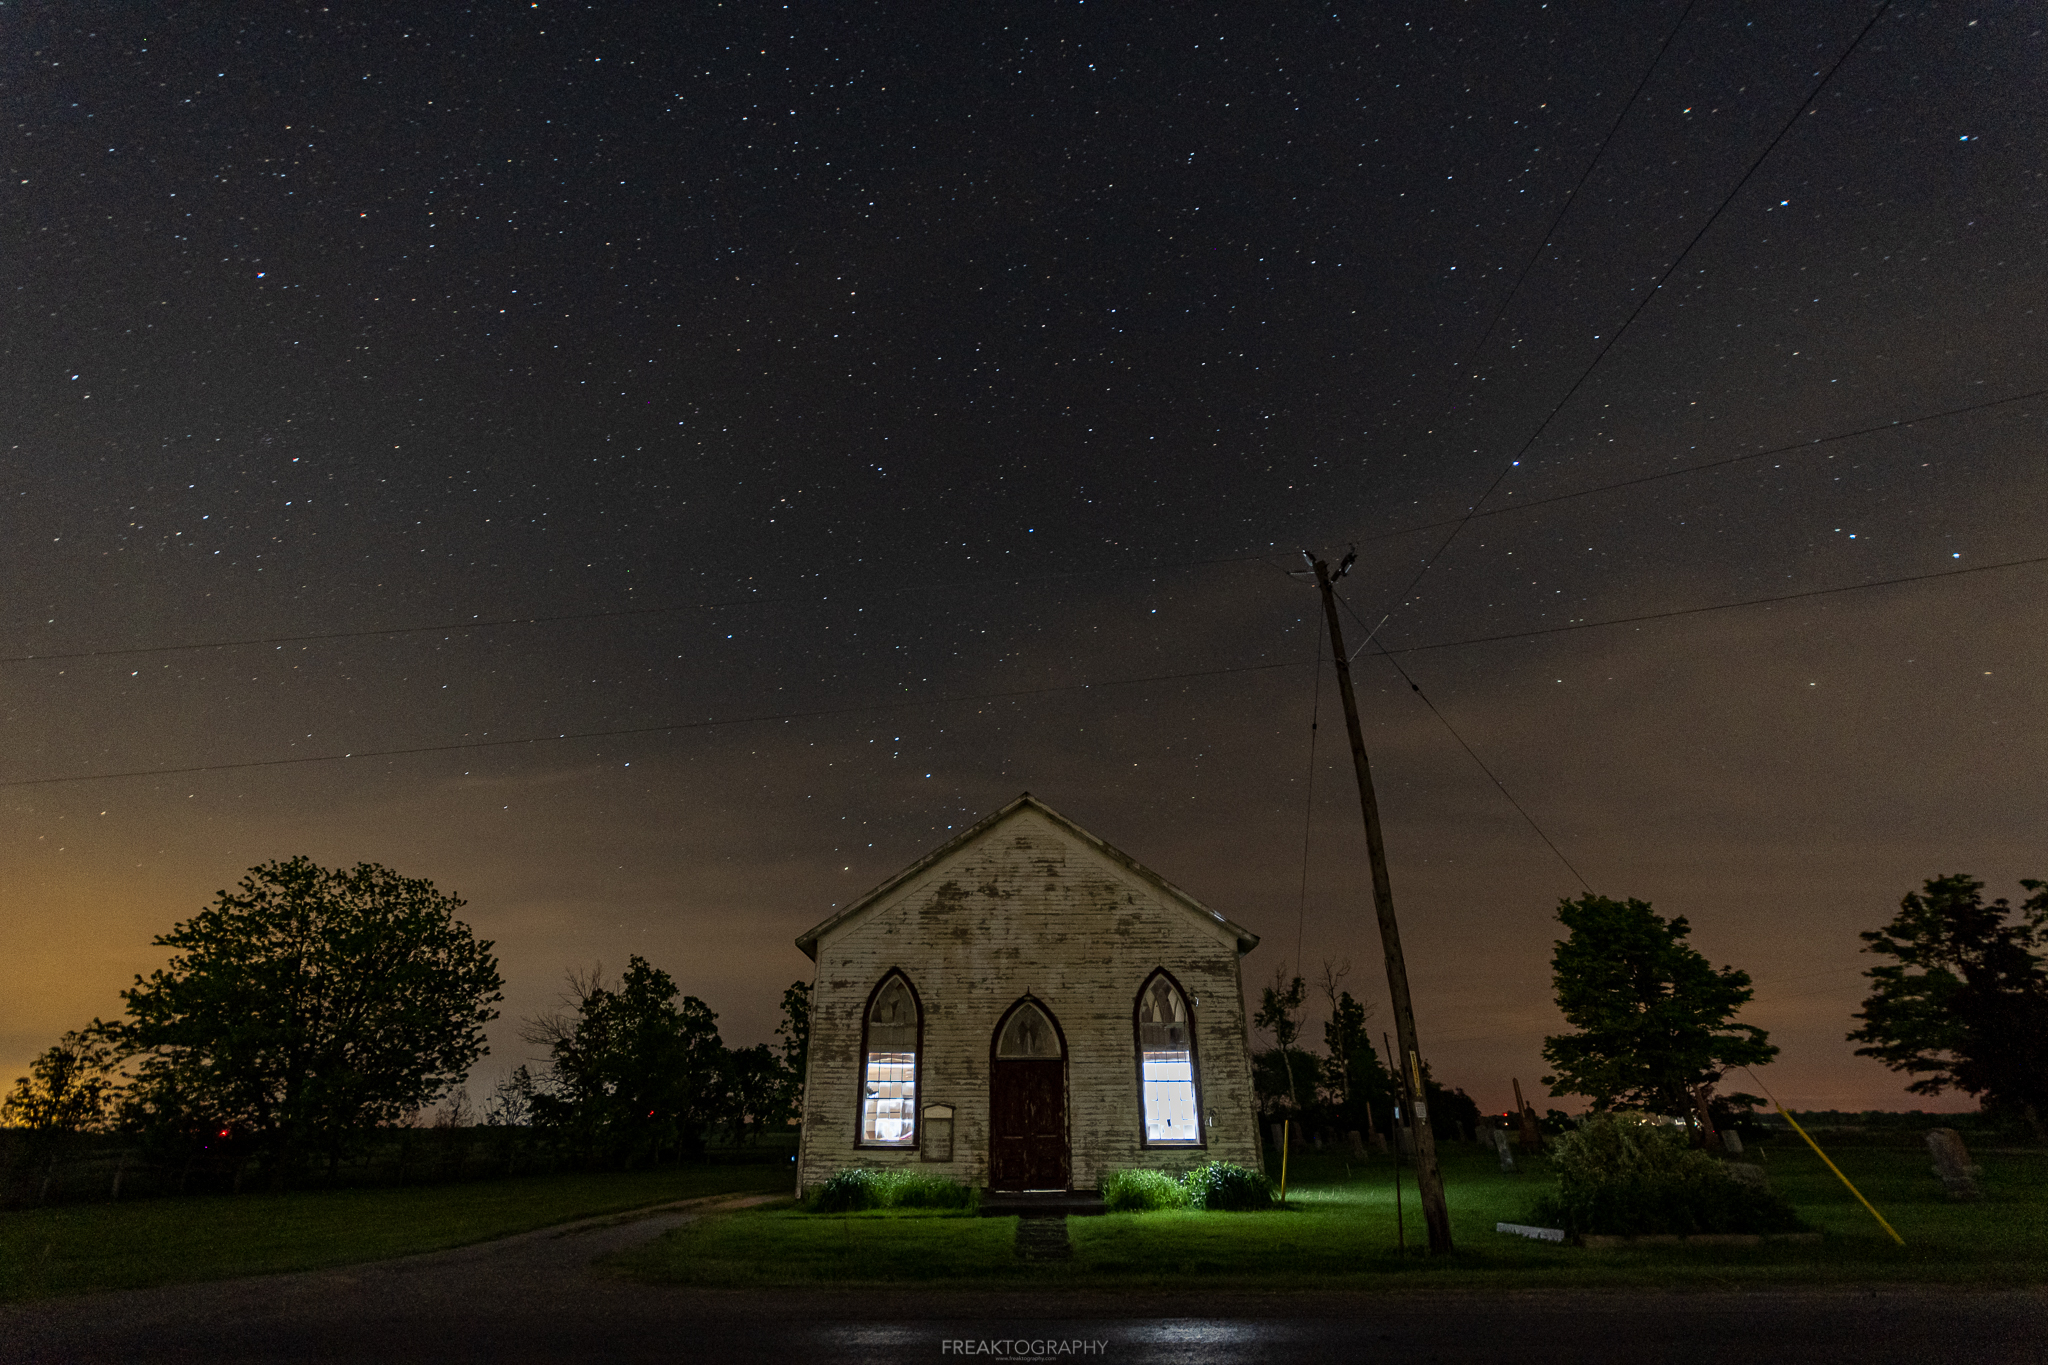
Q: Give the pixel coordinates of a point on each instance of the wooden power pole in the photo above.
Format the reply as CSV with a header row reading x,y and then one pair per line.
x,y
1428,1176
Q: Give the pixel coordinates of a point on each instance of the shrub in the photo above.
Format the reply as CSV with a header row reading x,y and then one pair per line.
x,y
919,1190
1225,1185
1623,1174
1142,1192
847,1191
858,1188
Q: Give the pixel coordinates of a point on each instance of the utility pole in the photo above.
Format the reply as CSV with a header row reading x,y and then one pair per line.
x,y
1429,1177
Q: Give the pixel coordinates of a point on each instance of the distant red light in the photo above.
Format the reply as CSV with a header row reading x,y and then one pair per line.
x,y
223,1132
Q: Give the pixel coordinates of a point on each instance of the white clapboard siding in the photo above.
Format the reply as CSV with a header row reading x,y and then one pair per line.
x,y
1026,902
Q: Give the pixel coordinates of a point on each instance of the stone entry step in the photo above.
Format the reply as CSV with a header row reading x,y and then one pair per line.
x,y
1044,1239
1040,1204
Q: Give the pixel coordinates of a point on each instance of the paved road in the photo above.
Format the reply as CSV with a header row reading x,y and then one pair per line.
x,y
535,1297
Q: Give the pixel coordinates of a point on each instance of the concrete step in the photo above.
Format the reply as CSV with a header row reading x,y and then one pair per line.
x,y
1040,1203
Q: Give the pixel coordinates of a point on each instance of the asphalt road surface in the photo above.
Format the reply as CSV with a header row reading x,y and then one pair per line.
x,y
536,1297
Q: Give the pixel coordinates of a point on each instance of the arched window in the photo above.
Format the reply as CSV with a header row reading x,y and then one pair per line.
x,y
888,1091
1028,1036
1166,1064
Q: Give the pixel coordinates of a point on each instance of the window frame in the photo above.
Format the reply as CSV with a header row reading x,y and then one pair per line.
x,y
915,1141
1145,1138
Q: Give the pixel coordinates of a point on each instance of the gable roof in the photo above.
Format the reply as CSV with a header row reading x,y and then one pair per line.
x,y
808,940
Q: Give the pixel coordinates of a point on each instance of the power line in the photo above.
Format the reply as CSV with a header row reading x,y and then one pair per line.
x,y
477,623
1720,606
1550,232
1308,800
1796,447
1472,754
670,728
483,623
1615,336
872,707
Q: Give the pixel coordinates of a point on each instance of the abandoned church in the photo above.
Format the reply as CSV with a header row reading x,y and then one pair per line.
x,y
1026,1008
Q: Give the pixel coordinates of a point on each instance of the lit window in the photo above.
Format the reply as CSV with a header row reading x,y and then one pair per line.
x,y
1166,1063
888,1104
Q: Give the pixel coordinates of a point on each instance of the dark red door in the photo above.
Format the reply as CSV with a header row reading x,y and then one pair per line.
x,y
1028,1125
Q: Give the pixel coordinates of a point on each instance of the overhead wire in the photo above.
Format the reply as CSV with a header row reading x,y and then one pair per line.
x,y
477,622
962,698
1473,754
1796,447
1308,800
1614,337
1721,606
1550,232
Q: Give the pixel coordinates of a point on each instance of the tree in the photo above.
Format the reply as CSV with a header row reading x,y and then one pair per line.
x,y
69,1089
795,1033
755,1090
307,1007
1964,1001
632,1072
1277,1006
1654,1018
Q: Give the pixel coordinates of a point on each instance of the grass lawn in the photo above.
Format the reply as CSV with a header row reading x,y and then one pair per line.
x,y
1338,1230
83,1247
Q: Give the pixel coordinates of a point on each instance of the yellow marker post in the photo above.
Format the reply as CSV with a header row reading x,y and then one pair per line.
x,y
1831,1165
1283,1158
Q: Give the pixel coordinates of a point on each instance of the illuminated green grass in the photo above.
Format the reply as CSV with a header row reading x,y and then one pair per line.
x,y
1338,1230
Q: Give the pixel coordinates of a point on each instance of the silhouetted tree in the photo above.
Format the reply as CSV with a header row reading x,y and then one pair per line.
x,y
1278,1004
795,1033
1964,1001
1654,1018
70,1087
305,1008
632,1072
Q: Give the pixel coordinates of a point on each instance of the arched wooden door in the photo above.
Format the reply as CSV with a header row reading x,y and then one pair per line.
x,y
1028,1101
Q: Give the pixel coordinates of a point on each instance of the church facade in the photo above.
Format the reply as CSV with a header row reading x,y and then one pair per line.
x,y
1026,1008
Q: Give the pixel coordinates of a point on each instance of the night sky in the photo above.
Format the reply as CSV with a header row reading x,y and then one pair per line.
x,y
894,385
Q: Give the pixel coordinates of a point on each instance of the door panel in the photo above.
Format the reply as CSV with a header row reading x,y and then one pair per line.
x,y
1028,1125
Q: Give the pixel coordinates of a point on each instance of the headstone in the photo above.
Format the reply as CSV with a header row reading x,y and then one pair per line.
x,y
1278,1130
1357,1144
1407,1137
1952,1163
1379,1143
1731,1141
1503,1150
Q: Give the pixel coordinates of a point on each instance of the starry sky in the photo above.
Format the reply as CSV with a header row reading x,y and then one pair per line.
x,y
835,419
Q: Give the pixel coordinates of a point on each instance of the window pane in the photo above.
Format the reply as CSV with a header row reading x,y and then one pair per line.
x,y
1028,1034
1170,1097
1166,1064
889,1098
892,1023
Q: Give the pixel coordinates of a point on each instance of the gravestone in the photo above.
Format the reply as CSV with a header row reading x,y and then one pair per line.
x,y
1279,1139
1379,1143
1731,1142
1952,1163
1357,1144
1407,1138
1503,1150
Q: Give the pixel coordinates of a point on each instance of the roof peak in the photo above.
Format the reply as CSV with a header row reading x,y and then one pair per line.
x,y
808,941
